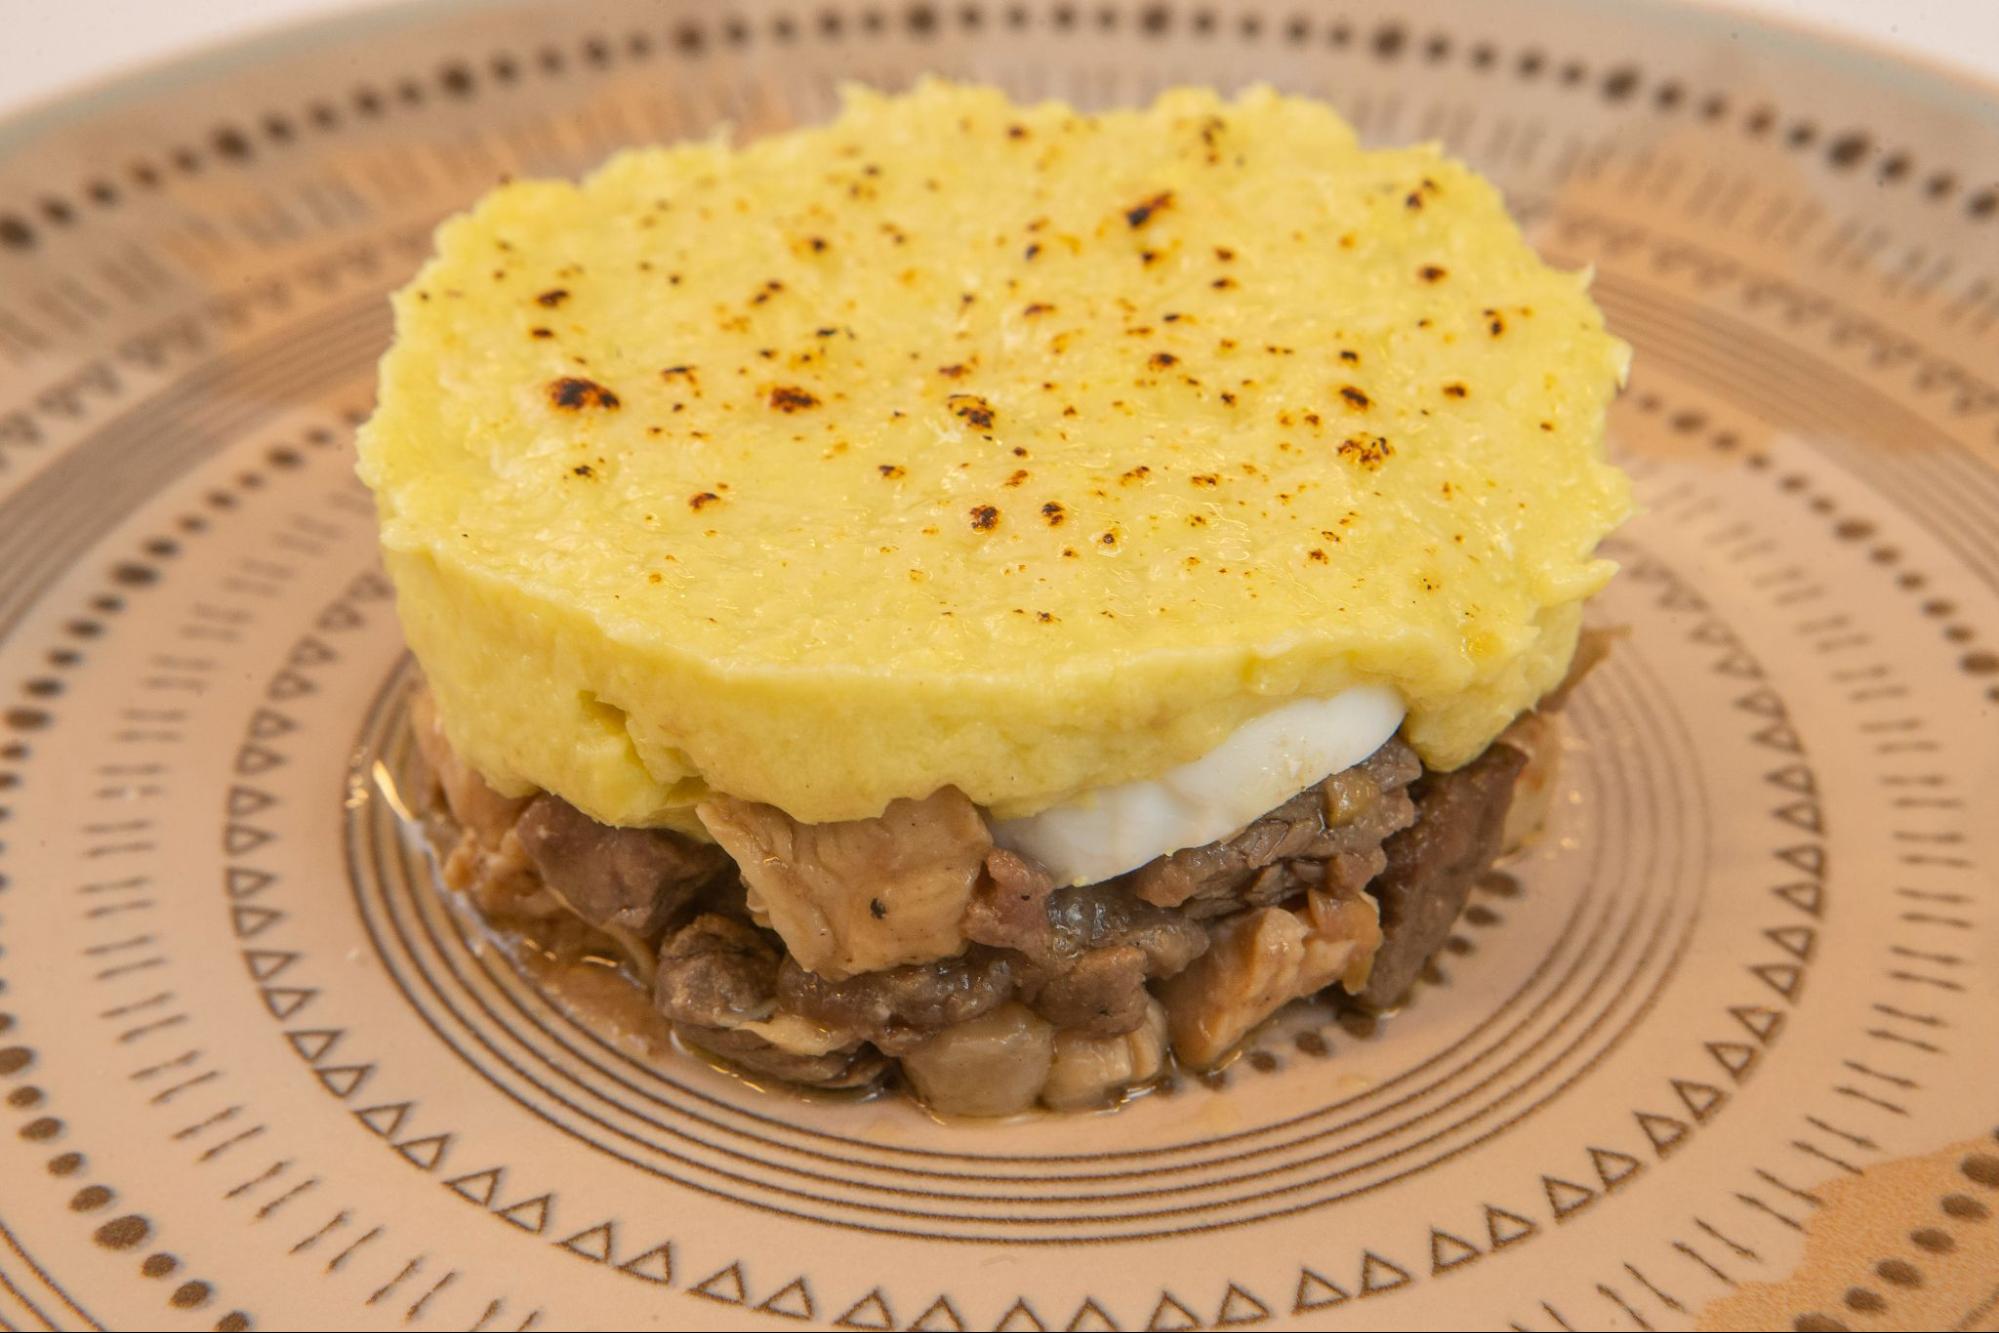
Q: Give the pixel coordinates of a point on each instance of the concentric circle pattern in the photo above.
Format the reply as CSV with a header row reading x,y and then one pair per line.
x,y
255,1070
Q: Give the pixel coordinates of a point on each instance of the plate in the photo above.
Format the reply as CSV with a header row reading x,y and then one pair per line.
x,y
1719,1051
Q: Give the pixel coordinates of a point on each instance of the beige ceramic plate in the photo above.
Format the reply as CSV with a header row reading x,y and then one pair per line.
x,y
1721,1051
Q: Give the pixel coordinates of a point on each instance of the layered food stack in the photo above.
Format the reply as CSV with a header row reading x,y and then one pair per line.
x,y
1006,594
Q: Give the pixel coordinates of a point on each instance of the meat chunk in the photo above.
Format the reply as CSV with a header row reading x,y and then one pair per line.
x,y
1105,916
1009,907
1260,961
717,971
862,894
1088,952
1460,817
995,1064
628,882
1328,836
900,1006
717,983
1102,993
842,1068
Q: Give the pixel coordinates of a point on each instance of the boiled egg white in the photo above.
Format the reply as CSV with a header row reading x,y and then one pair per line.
x,y
1262,764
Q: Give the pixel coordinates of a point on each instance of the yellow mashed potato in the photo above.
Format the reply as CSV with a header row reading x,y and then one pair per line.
x,y
959,442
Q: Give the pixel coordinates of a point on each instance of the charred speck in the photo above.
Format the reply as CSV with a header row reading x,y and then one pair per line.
x,y
1161,360
1355,398
1054,513
583,470
541,333
954,371
984,518
1038,308
1455,390
1140,214
1032,250
791,398
1350,356
700,501
1369,451
1044,617
889,470
553,297
972,408
877,909
575,394
1432,273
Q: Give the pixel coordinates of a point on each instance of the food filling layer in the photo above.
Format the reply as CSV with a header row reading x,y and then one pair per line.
x,y
831,955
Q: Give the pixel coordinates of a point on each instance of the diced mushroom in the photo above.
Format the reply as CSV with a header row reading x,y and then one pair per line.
x,y
1342,933
995,1064
1260,961
862,894
1095,1071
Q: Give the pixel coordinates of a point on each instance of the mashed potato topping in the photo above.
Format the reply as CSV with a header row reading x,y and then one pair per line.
x,y
965,443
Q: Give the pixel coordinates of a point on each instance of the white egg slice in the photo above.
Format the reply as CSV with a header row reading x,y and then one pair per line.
x,y
1262,764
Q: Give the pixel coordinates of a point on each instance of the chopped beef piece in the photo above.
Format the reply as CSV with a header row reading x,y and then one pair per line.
x,y
717,983
1106,916
899,1006
1431,865
848,1067
861,894
1018,907
629,881
716,971
1327,836
1101,994
1009,908
1087,952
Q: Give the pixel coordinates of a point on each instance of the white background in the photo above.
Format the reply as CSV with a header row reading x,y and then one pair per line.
x,y
48,47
